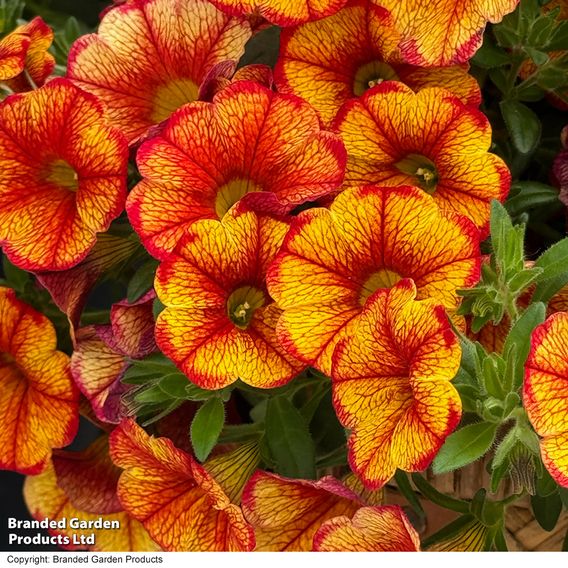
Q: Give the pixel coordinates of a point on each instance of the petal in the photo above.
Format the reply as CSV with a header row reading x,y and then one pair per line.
x,y
44,498
391,384
286,513
174,52
89,478
281,12
36,388
443,32
178,502
372,529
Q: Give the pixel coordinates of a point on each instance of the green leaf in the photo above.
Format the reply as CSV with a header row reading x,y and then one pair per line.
x,y
16,277
539,57
157,308
193,392
519,337
547,510
152,395
544,291
174,385
489,55
529,194
554,261
559,37
288,439
206,427
142,281
523,125
464,446
545,485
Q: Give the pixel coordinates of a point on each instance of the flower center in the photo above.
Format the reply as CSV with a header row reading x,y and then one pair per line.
x,y
60,173
383,278
230,193
372,74
242,304
171,96
421,169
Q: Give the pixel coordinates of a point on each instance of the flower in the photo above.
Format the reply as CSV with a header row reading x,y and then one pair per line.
x,y
372,529
180,503
62,176
103,353
36,388
391,384
24,56
332,262
332,60
219,322
429,139
443,32
150,57
210,155
545,392
82,486
303,515
279,13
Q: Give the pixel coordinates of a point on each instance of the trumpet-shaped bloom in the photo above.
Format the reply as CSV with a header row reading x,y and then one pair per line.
x,y
333,260
332,60
83,485
219,322
62,176
391,384
372,529
150,57
210,155
36,388
280,13
443,32
102,355
177,500
25,51
545,395
429,139
286,513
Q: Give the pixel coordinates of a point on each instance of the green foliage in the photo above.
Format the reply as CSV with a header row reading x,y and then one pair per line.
x,y
206,427
288,441
464,446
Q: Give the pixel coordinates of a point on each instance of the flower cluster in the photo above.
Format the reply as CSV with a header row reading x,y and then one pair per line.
x,y
306,267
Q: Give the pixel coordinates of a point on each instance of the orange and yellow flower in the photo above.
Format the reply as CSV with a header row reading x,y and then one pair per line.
x,y
82,485
429,139
150,57
219,322
372,529
332,60
333,260
280,13
103,354
62,176
296,515
180,503
391,384
38,400
545,395
210,155
443,32
24,56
